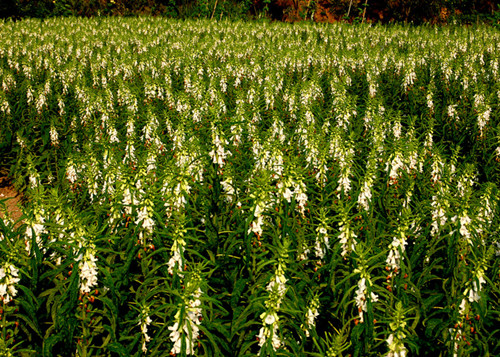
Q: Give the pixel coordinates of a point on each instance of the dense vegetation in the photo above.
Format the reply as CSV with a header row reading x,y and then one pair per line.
x,y
414,11
233,189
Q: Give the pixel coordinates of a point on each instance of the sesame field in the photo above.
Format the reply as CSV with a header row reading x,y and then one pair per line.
x,y
249,189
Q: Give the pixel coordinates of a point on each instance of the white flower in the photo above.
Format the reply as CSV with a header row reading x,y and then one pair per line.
x,y
320,252
287,195
482,120
344,183
270,319
305,252
175,334
54,137
175,337
452,113
190,329
144,322
148,223
113,135
397,130
361,298
33,181
396,165
301,197
464,228
396,347
22,142
88,271
394,258
311,316
262,336
430,103
10,276
71,174
266,332
462,307
347,238
365,197
228,188
218,153
276,342
176,259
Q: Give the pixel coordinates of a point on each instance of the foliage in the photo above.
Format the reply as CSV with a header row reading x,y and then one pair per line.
x,y
231,189
356,11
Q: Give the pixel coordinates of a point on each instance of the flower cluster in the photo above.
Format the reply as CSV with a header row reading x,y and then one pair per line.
x,y
71,174
362,296
439,206
54,137
176,262
144,322
175,197
145,217
396,346
347,237
261,206
185,329
395,341
35,228
270,321
9,276
396,247
322,239
311,314
88,269
219,152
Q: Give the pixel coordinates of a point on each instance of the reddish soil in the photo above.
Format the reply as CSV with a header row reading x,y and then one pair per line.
x,y
11,199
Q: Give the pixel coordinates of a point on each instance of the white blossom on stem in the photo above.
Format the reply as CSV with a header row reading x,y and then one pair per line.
x,y
144,322
9,276
186,326
88,270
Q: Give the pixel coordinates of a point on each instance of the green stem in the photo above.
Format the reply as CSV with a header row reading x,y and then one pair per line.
x,y
4,324
83,350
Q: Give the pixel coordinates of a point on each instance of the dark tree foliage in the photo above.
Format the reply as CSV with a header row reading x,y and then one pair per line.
x,y
384,11
8,8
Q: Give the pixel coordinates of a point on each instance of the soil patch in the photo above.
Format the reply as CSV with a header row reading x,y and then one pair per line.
x,y
11,199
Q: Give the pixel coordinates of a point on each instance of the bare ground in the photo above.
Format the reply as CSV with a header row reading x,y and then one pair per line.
x,y
11,198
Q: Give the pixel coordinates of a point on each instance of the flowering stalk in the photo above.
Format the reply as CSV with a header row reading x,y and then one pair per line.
x,y
9,277
365,195
363,292
176,262
88,269
185,330
145,218
347,237
219,152
396,249
311,314
322,239
35,228
269,332
261,206
395,341
144,322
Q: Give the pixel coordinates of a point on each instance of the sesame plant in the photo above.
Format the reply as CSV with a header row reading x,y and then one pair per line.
x,y
238,189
